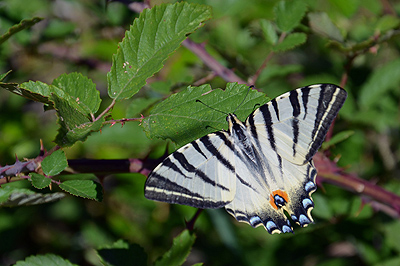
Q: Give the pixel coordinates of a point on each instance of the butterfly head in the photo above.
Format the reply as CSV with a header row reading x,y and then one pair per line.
x,y
235,125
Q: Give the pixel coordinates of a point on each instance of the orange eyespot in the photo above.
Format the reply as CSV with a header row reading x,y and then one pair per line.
x,y
280,193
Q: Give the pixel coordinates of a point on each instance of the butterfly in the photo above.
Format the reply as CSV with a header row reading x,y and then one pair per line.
x,y
258,169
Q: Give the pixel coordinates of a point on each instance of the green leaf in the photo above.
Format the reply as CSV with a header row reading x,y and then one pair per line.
x,y
48,259
81,90
3,76
387,22
121,253
11,197
39,181
323,25
182,119
24,24
151,39
83,188
382,80
269,31
54,163
341,136
179,251
288,14
291,41
37,91
75,123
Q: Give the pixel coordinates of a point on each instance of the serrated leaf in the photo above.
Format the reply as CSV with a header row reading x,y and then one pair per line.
x,y
269,31
81,89
35,91
339,137
39,181
83,188
55,163
382,80
291,41
12,197
323,25
179,251
121,253
24,24
75,123
151,39
48,259
288,14
182,119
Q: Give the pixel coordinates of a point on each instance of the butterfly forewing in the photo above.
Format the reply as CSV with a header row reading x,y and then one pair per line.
x,y
259,169
296,122
200,174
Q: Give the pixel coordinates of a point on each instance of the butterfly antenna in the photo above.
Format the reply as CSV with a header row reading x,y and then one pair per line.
x,y
252,86
212,108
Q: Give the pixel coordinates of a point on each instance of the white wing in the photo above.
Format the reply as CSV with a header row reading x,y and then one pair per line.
x,y
200,174
296,122
284,133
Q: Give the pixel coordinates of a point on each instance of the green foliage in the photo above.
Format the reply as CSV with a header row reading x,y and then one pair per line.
x,y
323,25
289,14
121,253
179,251
291,41
48,259
354,43
148,44
88,189
39,181
183,119
55,163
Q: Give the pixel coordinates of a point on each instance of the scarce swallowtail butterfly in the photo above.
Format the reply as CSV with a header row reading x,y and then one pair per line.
x,y
259,168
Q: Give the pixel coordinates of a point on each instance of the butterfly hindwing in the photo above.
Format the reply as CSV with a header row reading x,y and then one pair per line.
x,y
200,174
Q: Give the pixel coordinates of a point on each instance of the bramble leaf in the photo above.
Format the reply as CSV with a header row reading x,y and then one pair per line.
x,y
83,188
47,259
151,39
39,181
288,14
182,244
291,41
54,163
182,119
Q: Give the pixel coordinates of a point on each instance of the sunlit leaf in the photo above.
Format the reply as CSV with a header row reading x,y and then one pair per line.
x,y
54,163
151,39
182,118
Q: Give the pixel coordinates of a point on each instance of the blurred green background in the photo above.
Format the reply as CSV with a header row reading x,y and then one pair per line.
x,y
81,36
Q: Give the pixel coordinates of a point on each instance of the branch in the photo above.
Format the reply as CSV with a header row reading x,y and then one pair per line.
x,y
329,172
225,73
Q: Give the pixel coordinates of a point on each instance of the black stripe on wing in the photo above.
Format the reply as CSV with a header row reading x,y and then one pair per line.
x,y
304,96
181,159
162,189
214,151
331,99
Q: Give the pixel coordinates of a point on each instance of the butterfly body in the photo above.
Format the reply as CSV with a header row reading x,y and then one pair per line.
x,y
258,169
